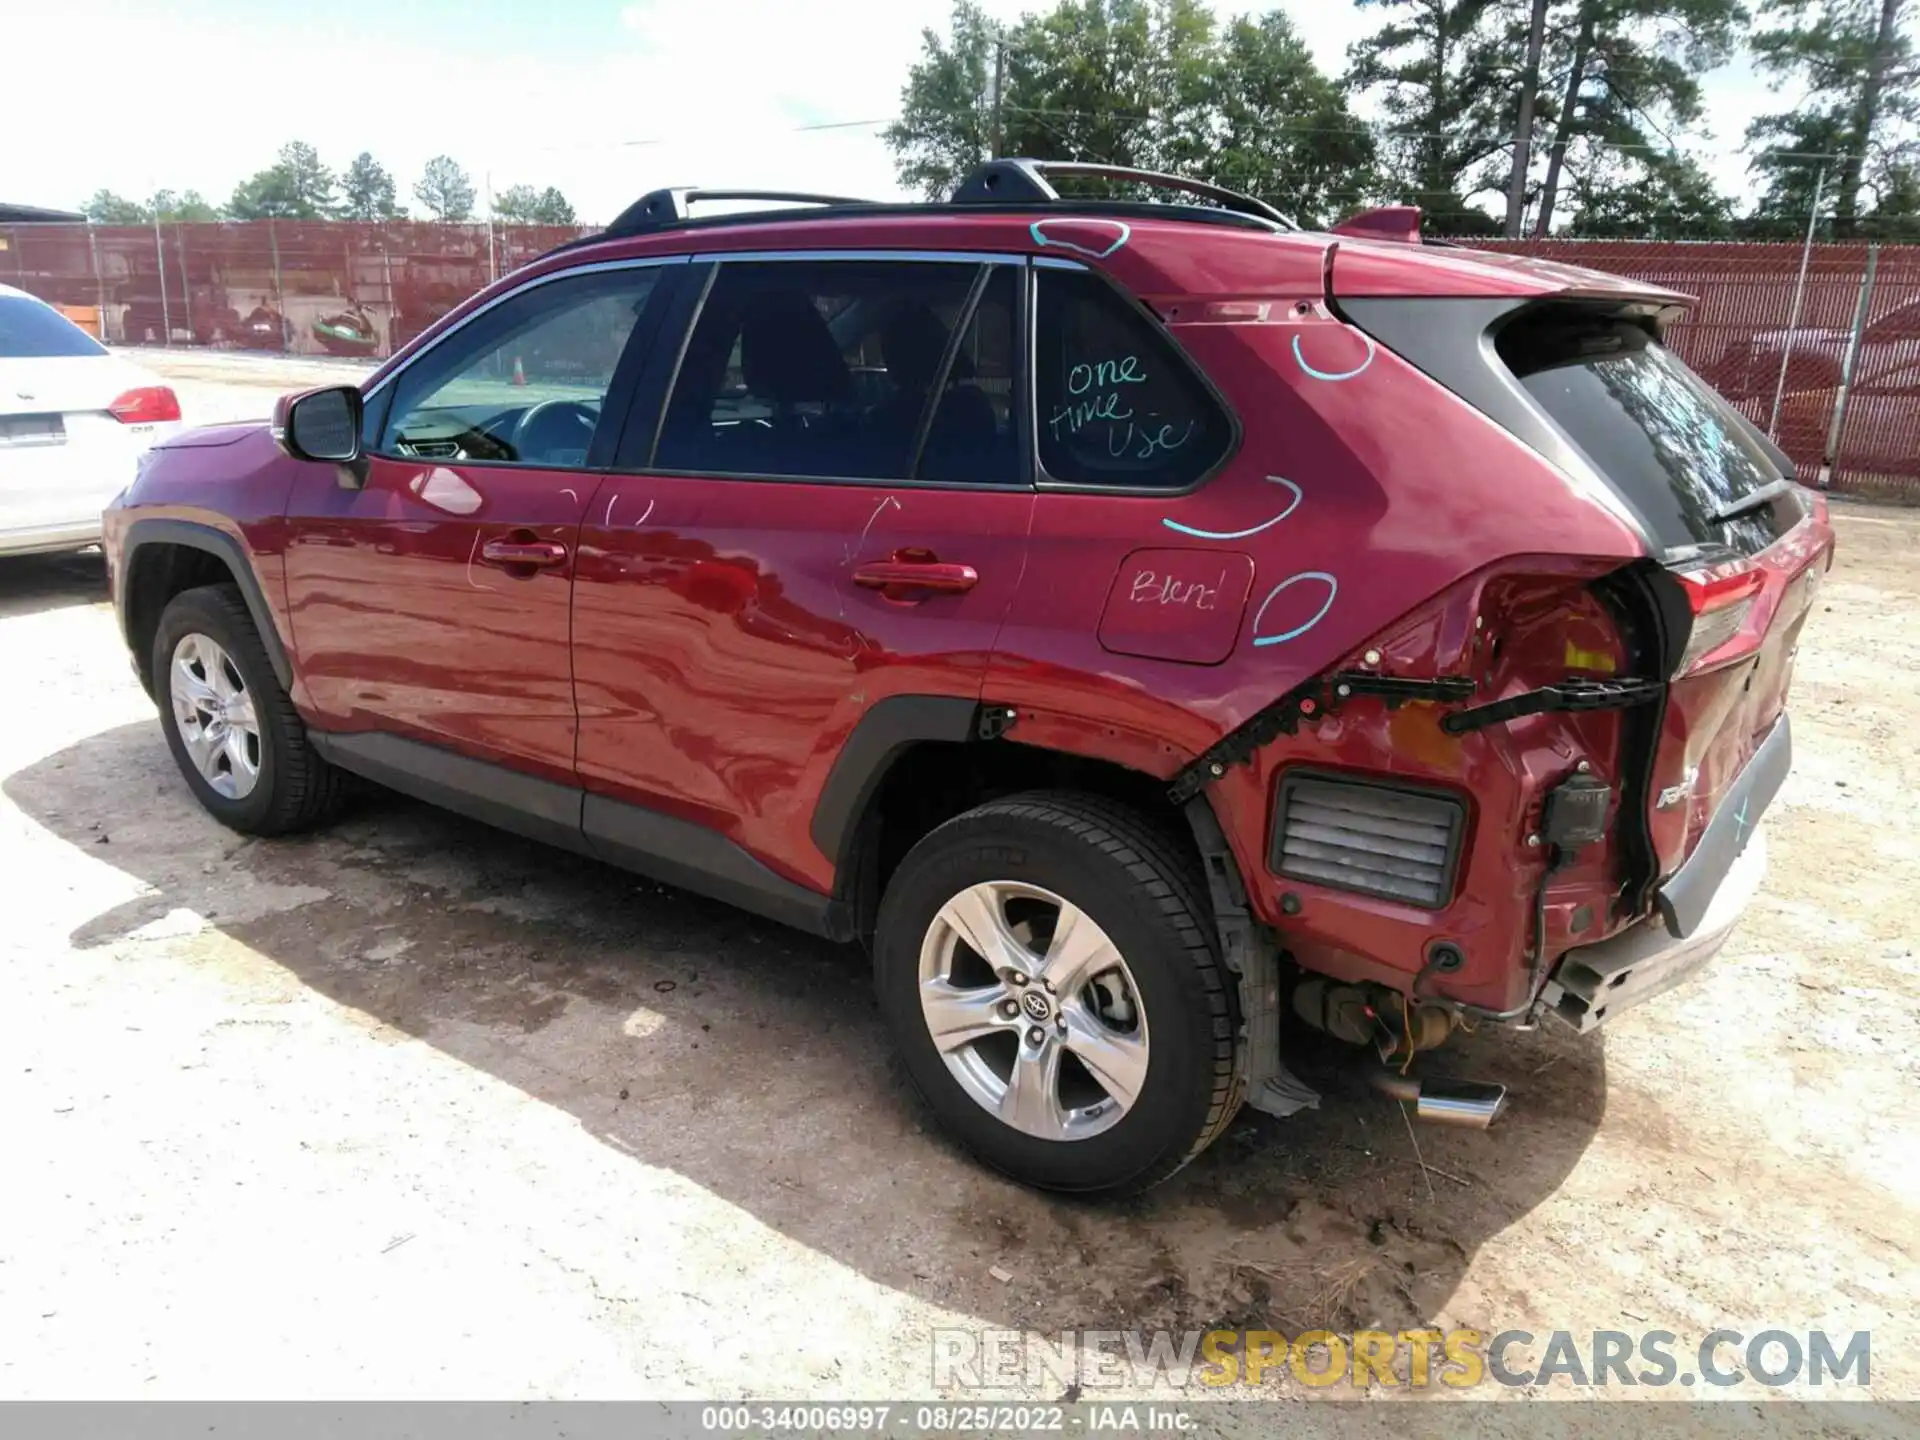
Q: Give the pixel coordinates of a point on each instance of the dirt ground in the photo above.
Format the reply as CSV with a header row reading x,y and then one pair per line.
x,y
413,1108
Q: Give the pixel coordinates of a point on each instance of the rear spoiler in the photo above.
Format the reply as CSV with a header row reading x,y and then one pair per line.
x,y
1384,222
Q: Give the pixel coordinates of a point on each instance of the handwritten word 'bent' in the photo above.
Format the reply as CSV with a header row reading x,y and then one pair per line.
x,y
1198,534
1322,577
1152,589
1335,374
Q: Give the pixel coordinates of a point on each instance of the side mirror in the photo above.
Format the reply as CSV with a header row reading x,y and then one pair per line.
x,y
321,425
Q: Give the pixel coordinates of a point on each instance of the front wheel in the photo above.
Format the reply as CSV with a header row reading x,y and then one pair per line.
x,y
1047,967
233,731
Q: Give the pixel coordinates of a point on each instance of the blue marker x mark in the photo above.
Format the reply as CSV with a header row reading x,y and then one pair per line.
x,y
1740,823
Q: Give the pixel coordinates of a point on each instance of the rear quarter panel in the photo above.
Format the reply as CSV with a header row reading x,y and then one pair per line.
x,y
1362,492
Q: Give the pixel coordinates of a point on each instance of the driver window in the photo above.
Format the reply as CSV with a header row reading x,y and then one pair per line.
x,y
524,383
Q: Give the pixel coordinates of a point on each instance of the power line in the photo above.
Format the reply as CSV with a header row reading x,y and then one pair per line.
x,y
1384,129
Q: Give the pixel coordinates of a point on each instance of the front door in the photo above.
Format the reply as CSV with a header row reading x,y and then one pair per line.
x,y
835,513
433,602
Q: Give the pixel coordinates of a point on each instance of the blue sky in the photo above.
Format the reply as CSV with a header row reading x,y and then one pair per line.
x,y
604,98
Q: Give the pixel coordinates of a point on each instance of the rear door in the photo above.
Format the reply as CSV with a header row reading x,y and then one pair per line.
x,y
434,601
831,511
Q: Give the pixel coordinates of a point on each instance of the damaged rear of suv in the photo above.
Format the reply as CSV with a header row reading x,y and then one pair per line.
x,y
1133,621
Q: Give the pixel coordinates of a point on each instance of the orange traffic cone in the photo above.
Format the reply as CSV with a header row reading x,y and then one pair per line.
x,y
519,374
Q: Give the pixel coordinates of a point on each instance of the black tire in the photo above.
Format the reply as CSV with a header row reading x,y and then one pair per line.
x,y
296,789
1145,891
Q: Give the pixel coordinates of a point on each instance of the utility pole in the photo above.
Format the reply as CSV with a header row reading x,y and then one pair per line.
x,y
1799,298
999,90
1523,127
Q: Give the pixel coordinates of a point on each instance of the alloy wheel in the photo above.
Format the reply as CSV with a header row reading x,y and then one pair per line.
x,y
1033,1010
215,713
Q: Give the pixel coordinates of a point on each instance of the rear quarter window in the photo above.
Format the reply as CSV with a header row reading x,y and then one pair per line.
x,y
1117,403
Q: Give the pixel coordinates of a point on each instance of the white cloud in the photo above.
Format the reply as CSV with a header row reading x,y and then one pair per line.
x,y
660,92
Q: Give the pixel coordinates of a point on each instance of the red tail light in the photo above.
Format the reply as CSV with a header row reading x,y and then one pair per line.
x,y
146,406
1719,602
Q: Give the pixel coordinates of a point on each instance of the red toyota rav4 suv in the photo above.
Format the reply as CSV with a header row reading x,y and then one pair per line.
x,y
1127,618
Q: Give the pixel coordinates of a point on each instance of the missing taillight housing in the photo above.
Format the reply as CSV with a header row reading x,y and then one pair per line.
x,y
1719,602
147,405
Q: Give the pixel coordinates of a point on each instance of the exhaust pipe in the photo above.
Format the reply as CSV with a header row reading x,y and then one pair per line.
x,y
1473,1104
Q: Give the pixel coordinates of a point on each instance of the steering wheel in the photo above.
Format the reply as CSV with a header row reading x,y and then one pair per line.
x,y
573,415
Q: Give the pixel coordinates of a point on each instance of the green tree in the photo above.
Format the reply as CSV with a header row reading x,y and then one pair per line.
x,y
107,208
367,191
945,125
1441,78
1285,131
1653,197
1856,59
266,195
445,189
523,205
1895,186
295,187
1156,84
1629,78
1478,94
190,207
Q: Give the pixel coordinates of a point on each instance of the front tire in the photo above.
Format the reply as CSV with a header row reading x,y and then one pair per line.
x,y
231,727
1048,969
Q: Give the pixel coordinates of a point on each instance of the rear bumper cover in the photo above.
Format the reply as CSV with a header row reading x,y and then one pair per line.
x,y
1691,891
1698,906
1593,983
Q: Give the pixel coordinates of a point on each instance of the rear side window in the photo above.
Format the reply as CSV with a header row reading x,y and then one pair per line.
x,y
1116,403
847,369
972,437
1653,428
32,331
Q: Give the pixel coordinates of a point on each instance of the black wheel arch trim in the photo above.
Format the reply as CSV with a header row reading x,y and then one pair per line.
x,y
229,551
888,730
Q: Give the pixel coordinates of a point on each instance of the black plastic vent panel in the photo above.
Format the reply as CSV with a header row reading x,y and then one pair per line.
x,y
1369,838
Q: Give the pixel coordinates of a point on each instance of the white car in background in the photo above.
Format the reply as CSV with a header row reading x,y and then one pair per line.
x,y
74,421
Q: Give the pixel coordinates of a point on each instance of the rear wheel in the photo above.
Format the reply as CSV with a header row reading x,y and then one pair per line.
x,y
1046,966
232,729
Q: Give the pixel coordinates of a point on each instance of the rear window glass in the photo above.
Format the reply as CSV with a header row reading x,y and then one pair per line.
x,y
1654,429
1117,404
30,330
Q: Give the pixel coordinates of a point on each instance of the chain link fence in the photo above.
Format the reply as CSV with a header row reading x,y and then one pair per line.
x,y
341,288
1819,345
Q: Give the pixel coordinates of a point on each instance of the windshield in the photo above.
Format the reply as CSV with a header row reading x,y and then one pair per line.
x,y
30,330
1652,427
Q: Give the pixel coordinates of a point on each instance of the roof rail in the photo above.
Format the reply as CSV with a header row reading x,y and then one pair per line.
x,y
658,209
1024,181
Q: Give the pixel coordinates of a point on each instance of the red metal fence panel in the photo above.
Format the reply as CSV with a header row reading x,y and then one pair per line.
x,y
365,289
321,287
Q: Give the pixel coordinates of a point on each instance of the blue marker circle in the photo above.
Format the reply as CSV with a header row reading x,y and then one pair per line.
x,y
1333,589
1333,374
